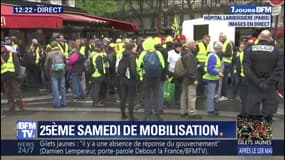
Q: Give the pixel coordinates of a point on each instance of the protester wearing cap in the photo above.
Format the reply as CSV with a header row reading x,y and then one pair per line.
x,y
213,73
182,39
98,74
57,78
10,68
168,44
8,41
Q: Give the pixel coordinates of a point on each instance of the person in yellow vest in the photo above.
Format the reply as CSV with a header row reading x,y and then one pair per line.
x,y
212,75
227,63
111,57
32,64
63,46
10,67
168,44
236,77
119,49
239,66
202,50
87,64
55,65
83,49
98,74
106,64
15,44
152,63
128,74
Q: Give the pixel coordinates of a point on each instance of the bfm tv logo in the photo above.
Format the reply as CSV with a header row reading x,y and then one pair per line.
x,y
26,129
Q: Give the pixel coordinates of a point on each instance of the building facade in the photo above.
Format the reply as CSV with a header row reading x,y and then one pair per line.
x,y
157,16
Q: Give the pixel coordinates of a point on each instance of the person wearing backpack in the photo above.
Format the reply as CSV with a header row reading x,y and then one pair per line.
x,y
152,63
98,74
189,81
76,67
158,46
55,65
127,72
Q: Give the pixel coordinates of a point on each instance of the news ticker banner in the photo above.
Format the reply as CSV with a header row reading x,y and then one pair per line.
x,y
138,147
28,129
38,9
245,16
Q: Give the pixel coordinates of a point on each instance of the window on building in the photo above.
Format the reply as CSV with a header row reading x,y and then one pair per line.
x,y
200,31
65,2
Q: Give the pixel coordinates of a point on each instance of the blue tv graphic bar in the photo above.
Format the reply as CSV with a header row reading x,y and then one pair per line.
x,y
38,9
250,9
113,129
134,147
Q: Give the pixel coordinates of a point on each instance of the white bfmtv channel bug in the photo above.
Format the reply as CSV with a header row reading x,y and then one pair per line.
x,y
26,129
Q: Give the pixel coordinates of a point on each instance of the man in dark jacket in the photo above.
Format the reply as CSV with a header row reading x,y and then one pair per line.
x,y
263,70
10,68
158,46
128,79
98,74
189,82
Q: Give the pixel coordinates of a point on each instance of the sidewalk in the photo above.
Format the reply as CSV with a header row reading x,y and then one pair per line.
x,y
228,108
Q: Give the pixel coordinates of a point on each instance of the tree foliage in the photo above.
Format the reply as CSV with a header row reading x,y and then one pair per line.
x,y
106,8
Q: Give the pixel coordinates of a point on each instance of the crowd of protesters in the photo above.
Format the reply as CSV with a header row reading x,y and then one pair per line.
x,y
133,69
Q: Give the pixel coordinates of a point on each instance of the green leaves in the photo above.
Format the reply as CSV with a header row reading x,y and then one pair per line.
x,y
106,8
175,28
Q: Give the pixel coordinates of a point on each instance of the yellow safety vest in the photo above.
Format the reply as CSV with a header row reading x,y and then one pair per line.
x,y
105,61
9,65
139,69
140,62
38,55
15,46
227,59
119,49
97,74
202,54
218,68
256,41
64,50
241,58
82,50
48,47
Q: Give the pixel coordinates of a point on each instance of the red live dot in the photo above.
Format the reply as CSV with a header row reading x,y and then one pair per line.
x,y
221,133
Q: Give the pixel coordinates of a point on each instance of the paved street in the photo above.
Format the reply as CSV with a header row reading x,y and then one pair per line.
x,y
41,101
